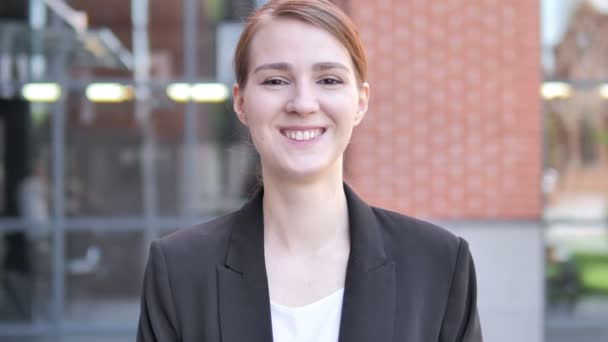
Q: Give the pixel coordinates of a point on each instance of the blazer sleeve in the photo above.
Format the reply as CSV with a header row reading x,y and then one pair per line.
x,y
157,320
461,320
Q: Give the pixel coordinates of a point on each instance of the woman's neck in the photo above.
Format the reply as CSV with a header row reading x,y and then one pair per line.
x,y
305,218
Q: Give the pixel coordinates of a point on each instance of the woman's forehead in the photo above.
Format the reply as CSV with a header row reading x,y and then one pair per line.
x,y
294,43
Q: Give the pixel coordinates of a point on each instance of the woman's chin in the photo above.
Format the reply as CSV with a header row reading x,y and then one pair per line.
x,y
306,171
300,175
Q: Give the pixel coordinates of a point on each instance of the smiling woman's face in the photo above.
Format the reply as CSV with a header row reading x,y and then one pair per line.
x,y
301,100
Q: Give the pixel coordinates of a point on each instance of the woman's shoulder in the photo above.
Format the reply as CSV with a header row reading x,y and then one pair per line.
x,y
406,235
401,224
203,241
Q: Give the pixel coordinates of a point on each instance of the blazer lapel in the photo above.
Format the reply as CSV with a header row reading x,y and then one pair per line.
x,y
368,311
244,304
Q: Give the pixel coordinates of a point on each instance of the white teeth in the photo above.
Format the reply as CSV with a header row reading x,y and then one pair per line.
x,y
303,135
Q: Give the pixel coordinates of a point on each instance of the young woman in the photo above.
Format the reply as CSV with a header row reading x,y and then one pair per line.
x,y
306,259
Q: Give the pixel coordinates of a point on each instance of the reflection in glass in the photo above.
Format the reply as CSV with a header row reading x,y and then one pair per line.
x,y
575,180
25,278
225,161
2,166
25,220
104,165
103,274
102,168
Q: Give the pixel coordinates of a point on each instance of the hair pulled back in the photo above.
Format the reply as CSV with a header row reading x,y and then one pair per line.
x,y
319,13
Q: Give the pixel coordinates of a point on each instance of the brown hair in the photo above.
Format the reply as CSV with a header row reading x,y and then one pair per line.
x,y
319,13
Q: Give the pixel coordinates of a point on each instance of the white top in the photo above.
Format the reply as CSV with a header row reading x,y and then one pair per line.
x,y
315,322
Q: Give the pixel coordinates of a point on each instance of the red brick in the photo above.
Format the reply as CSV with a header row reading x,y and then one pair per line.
x,y
454,110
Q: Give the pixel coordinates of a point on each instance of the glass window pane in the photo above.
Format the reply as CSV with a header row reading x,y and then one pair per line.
x,y
102,159
2,166
103,276
577,281
27,339
576,153
97,338
25,217
25,275
165,31
219,25
216,175
576,165
167,164
225,160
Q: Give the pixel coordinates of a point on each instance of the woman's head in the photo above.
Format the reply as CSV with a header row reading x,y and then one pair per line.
x,y
319,13
300,91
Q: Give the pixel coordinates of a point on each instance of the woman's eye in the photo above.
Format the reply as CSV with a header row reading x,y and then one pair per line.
x,y
330,81
274,82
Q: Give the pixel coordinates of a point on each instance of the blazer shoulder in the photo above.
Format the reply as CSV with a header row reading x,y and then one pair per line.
x,y
411,236
401,224
205,242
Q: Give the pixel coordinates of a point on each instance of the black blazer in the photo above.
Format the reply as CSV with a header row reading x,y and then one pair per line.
x,y
406,280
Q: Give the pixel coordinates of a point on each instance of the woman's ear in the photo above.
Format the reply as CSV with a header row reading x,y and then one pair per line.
x,y
362,103
237,98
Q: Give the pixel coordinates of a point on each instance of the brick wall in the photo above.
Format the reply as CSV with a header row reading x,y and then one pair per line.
x,y
453,130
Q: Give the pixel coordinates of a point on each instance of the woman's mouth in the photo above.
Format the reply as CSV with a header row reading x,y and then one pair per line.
x,y
302,134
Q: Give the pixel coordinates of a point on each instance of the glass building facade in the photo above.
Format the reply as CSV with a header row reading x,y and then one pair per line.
x,y
116,128
575,180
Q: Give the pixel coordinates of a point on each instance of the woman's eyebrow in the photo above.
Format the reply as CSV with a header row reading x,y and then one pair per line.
x,y
329,65
273,66
322,66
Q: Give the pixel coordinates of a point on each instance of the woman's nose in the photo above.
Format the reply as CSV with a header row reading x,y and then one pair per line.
x,y
303,101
